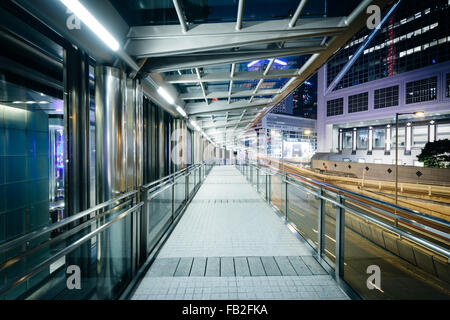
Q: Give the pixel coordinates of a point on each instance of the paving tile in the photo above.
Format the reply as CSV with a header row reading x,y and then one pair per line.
x,y
270,266
229,244
163,267
256,266
198,267
285,266
313,265
241,265
299,266
227,267
212,267
184,267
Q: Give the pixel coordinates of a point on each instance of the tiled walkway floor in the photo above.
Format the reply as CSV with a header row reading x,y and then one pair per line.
x,y
230,244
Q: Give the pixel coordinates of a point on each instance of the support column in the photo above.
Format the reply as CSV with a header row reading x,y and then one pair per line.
x,y
113,245
76,101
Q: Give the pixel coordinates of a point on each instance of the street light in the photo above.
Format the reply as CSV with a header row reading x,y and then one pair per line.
x,y
418,114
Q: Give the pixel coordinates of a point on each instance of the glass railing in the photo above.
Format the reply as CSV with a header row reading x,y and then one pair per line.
x,y
379,250
96,253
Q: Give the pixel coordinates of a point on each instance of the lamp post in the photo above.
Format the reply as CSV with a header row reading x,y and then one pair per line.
x,y
418,114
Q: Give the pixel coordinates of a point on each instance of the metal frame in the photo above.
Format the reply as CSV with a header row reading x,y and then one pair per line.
x,y
342,196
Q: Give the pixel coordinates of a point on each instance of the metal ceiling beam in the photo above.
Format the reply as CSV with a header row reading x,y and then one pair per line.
x,y
197,71
169,40
354,22
180,15
165,64
266,72
230,89
238,76
225,94
240,14
297,13
211,109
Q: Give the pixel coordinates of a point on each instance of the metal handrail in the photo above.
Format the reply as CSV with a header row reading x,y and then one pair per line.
x,y
425,243
167,178
26,275
440,221
38,233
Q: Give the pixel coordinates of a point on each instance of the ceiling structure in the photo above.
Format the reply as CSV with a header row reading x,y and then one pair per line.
x,y
226,72
226,63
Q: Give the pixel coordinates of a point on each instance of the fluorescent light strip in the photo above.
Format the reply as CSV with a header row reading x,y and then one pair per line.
x,y
181,111
251,64
278,61
163,93
88,19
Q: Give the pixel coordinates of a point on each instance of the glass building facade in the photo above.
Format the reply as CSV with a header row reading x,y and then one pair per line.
x,y
402,70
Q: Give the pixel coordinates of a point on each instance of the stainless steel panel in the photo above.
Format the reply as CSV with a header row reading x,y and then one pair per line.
x,y
110,132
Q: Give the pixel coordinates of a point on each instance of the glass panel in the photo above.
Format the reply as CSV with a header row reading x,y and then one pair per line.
x,y
159,216
140,13
303,212
276,187
217,86
180,193
104,274
257,10
347,139
407,270
262,183
330,229
244,85
443,131
274,83
401,137
379,136
191,182
420,136
362,141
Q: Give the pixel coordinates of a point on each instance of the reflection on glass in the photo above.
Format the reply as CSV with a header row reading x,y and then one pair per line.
x,y
362,141
347,139
401,137
420,136
379,136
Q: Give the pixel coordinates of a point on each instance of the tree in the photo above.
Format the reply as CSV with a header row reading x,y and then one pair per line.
x,y
436,154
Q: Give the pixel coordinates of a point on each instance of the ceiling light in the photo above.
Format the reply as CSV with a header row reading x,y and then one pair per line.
x,y
281,62
89,20
181,111
163,93
251,64
18,102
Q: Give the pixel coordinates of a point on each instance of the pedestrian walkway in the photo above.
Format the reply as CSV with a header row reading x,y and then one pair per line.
x,y
230,244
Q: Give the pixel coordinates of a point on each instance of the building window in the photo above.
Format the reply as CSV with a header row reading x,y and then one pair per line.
x,y
443,131
386,97
358,102
347,144
401,137
379,138
335,107
420,136
448,86
362,137
421,90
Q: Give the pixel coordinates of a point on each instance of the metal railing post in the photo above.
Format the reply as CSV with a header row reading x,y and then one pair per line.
x,y
321,226
286,206
257,180
340,226
143,226
173,198
187,186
